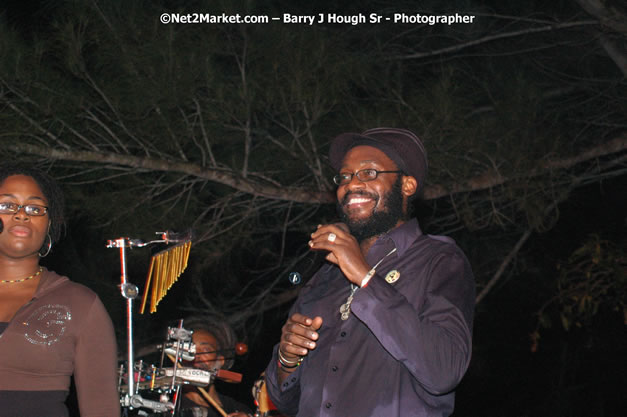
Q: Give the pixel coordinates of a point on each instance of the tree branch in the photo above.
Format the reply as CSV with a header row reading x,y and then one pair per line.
x,y
491,38
508,259
607,15
226,177
303,195
491,178
512,254
616,52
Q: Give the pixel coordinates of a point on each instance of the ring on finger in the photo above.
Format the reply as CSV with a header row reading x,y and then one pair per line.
x,y
331,238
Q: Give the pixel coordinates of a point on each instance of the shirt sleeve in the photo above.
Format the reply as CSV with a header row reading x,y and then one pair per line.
x,y
428,330
95,370
285,397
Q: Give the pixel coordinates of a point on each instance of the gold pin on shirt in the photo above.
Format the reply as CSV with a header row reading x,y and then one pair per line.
x,y
392,276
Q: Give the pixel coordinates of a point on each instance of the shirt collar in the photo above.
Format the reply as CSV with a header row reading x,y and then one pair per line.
x,y
400,237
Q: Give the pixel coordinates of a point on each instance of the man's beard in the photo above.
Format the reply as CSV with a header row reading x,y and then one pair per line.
x,y
382,220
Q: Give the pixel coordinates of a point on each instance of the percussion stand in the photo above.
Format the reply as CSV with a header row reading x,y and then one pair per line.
x,y
130,291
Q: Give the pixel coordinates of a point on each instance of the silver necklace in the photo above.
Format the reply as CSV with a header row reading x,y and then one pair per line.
x,y
345,309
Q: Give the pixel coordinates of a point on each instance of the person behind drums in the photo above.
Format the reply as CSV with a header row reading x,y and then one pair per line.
x,y
50,327
215,349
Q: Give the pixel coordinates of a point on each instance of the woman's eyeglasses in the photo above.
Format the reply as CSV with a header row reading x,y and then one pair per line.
x,y
29,209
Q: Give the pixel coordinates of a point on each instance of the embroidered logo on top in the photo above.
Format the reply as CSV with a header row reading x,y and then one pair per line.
x,y
47,324
392,276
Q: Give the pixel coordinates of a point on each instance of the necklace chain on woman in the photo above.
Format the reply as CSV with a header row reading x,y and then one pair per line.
x,y
345,309
8,281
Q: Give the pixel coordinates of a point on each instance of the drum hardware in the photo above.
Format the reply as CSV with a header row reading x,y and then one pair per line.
x,y
163,381
167,381
222,374
180,335
188,350
187,353
197,377
137,401
170,265
165,268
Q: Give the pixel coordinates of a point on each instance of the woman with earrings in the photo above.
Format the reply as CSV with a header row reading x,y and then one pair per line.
x,y
51,329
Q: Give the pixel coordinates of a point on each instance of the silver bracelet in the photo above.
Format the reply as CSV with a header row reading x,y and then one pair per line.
x,y
287,363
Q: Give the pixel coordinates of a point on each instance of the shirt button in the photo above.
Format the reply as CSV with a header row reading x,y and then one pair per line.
x,y
334,368
328,405
293,379
343,334
285,384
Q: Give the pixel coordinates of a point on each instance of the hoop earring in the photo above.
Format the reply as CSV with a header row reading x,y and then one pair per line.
x,y
49,246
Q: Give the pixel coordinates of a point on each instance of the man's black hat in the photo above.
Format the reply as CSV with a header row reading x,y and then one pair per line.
x,y
400,145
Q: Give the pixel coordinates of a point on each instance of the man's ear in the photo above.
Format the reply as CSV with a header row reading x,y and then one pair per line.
x,y
409,186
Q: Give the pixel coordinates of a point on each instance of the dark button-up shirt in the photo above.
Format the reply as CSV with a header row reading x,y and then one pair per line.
x,y
406,344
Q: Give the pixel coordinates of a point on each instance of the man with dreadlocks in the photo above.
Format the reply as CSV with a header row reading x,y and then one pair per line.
x,y
215,349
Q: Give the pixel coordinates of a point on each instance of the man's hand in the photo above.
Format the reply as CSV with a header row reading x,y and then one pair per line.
x,y
298,336
344,250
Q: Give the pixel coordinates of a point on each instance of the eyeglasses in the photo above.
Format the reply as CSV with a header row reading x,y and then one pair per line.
x,y
29,209
363,175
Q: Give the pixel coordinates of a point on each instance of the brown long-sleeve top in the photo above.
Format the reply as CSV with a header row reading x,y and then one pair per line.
x,y
63,331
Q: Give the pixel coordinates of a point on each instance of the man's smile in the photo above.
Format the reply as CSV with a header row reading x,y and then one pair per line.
x,y
356,200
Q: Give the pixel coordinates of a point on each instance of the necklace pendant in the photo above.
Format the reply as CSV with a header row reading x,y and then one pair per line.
x,y
345,311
